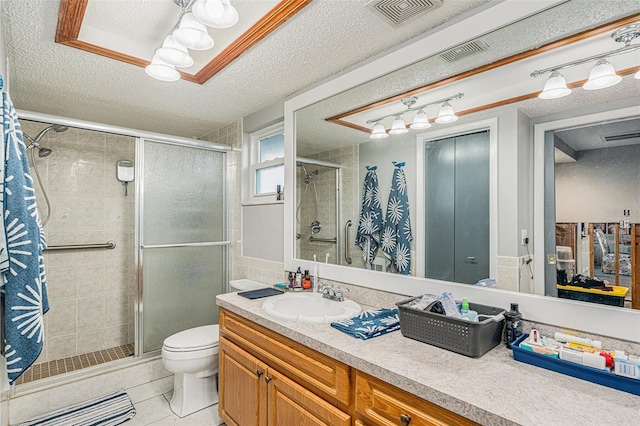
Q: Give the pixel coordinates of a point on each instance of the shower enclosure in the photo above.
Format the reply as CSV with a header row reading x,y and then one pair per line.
x,y
169,233
318,211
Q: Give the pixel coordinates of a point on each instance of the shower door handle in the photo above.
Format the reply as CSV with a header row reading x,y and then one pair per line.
x,y
347,257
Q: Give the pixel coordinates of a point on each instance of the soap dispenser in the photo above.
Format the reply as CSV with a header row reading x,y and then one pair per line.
x,y
298,278
513,325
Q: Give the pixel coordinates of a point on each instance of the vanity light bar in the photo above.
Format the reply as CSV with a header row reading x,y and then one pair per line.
x,y
602,75
410,109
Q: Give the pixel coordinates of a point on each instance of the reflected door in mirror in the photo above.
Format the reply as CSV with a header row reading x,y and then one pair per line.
x,y
457,208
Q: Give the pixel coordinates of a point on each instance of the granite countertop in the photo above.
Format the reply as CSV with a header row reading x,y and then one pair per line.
x,y
492,390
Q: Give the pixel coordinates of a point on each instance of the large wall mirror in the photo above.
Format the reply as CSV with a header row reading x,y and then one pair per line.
x,y
471,187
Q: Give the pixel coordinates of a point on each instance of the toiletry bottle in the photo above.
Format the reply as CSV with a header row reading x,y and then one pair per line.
x,y
291,279
298,283
513,325
306,280
464,308
314,277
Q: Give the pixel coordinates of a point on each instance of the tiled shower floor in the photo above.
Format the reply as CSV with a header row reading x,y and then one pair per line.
x,y
78,362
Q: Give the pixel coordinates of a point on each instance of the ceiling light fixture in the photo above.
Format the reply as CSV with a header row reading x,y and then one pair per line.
x,y
379,132
446,115
420,120
602,74
190,32
174,53
215,13
161,70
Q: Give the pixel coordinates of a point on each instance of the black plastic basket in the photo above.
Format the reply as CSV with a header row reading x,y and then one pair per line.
x,y
465,337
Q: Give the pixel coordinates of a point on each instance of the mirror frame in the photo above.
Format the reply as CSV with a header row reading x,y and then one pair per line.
x,y
564,313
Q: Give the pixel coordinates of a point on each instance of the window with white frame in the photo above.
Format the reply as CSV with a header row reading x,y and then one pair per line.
x,y
267,163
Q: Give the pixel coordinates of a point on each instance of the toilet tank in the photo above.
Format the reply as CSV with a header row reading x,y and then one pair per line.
x,y
245,284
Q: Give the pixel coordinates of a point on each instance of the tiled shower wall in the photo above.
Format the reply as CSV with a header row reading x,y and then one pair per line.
x,y
91,292
240,266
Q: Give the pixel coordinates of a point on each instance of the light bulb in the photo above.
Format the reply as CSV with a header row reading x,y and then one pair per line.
x,y
378,132
602,75
555,87
174,53
215,13
161,70
446,115
193,34
398,127
420,121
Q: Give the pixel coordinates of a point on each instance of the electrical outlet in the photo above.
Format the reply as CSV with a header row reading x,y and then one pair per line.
x,y
524,239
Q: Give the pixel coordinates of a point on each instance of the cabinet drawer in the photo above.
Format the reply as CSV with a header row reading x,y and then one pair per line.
x,y
319,373
379,403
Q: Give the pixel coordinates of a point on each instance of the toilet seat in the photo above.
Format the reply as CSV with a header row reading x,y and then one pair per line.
x,y
192,340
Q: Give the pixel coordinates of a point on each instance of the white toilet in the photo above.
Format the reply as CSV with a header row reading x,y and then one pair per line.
x,y
192,355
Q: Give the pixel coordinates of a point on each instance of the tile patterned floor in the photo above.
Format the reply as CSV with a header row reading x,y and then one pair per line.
x,y
152,409
78,362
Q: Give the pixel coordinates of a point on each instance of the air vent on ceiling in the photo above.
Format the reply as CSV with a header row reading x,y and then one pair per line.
x,y
397,12
467,49
621,137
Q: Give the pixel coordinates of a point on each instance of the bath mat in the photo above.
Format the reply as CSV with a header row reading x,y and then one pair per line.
x,y
108,410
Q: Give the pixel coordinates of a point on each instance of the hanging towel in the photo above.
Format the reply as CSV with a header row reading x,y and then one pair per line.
x,y
370,323
24,294
370,223
396,234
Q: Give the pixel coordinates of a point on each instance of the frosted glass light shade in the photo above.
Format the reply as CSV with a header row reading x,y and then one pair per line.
x,y
602,75
420,121
555,87
215,13
378,132
446,115
398,127
192,33
637,75
174,53
161,70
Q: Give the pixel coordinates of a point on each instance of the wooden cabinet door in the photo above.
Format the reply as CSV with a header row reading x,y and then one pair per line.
x,y
378,403
292,404
242,389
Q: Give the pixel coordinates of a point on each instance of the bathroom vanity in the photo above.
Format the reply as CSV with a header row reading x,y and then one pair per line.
x,y
279,372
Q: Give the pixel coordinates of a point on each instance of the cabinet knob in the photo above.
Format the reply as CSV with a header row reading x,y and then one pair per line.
x,y
405,419
267,378
259,373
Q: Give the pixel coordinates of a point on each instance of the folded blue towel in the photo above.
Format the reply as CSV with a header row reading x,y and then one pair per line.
x,y
370,323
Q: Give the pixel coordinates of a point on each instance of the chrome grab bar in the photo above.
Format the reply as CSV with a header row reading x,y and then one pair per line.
x,y
157,246
347,258
322,240
108,245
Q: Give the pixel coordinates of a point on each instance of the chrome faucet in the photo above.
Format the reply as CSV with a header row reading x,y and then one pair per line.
x,y
329,293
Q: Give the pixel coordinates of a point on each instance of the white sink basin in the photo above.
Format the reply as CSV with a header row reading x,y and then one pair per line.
x,y
309,307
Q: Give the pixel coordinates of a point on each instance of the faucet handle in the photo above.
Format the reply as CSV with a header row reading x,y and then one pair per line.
x,y
343,290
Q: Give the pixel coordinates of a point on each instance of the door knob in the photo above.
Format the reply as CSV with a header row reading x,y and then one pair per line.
x,y
259,373
405,419
267,378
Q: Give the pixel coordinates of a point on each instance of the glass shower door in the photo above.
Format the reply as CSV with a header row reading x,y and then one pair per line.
x,y
183,245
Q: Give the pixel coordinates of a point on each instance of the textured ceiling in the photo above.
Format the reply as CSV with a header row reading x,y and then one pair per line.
x,y
314,134
326,37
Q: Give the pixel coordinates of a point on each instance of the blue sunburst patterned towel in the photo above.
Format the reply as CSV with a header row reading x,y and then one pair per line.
x,y
23,289
370,223
396,235
370,323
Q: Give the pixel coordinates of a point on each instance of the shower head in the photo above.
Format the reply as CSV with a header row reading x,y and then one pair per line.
x,y
55,127
44,152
